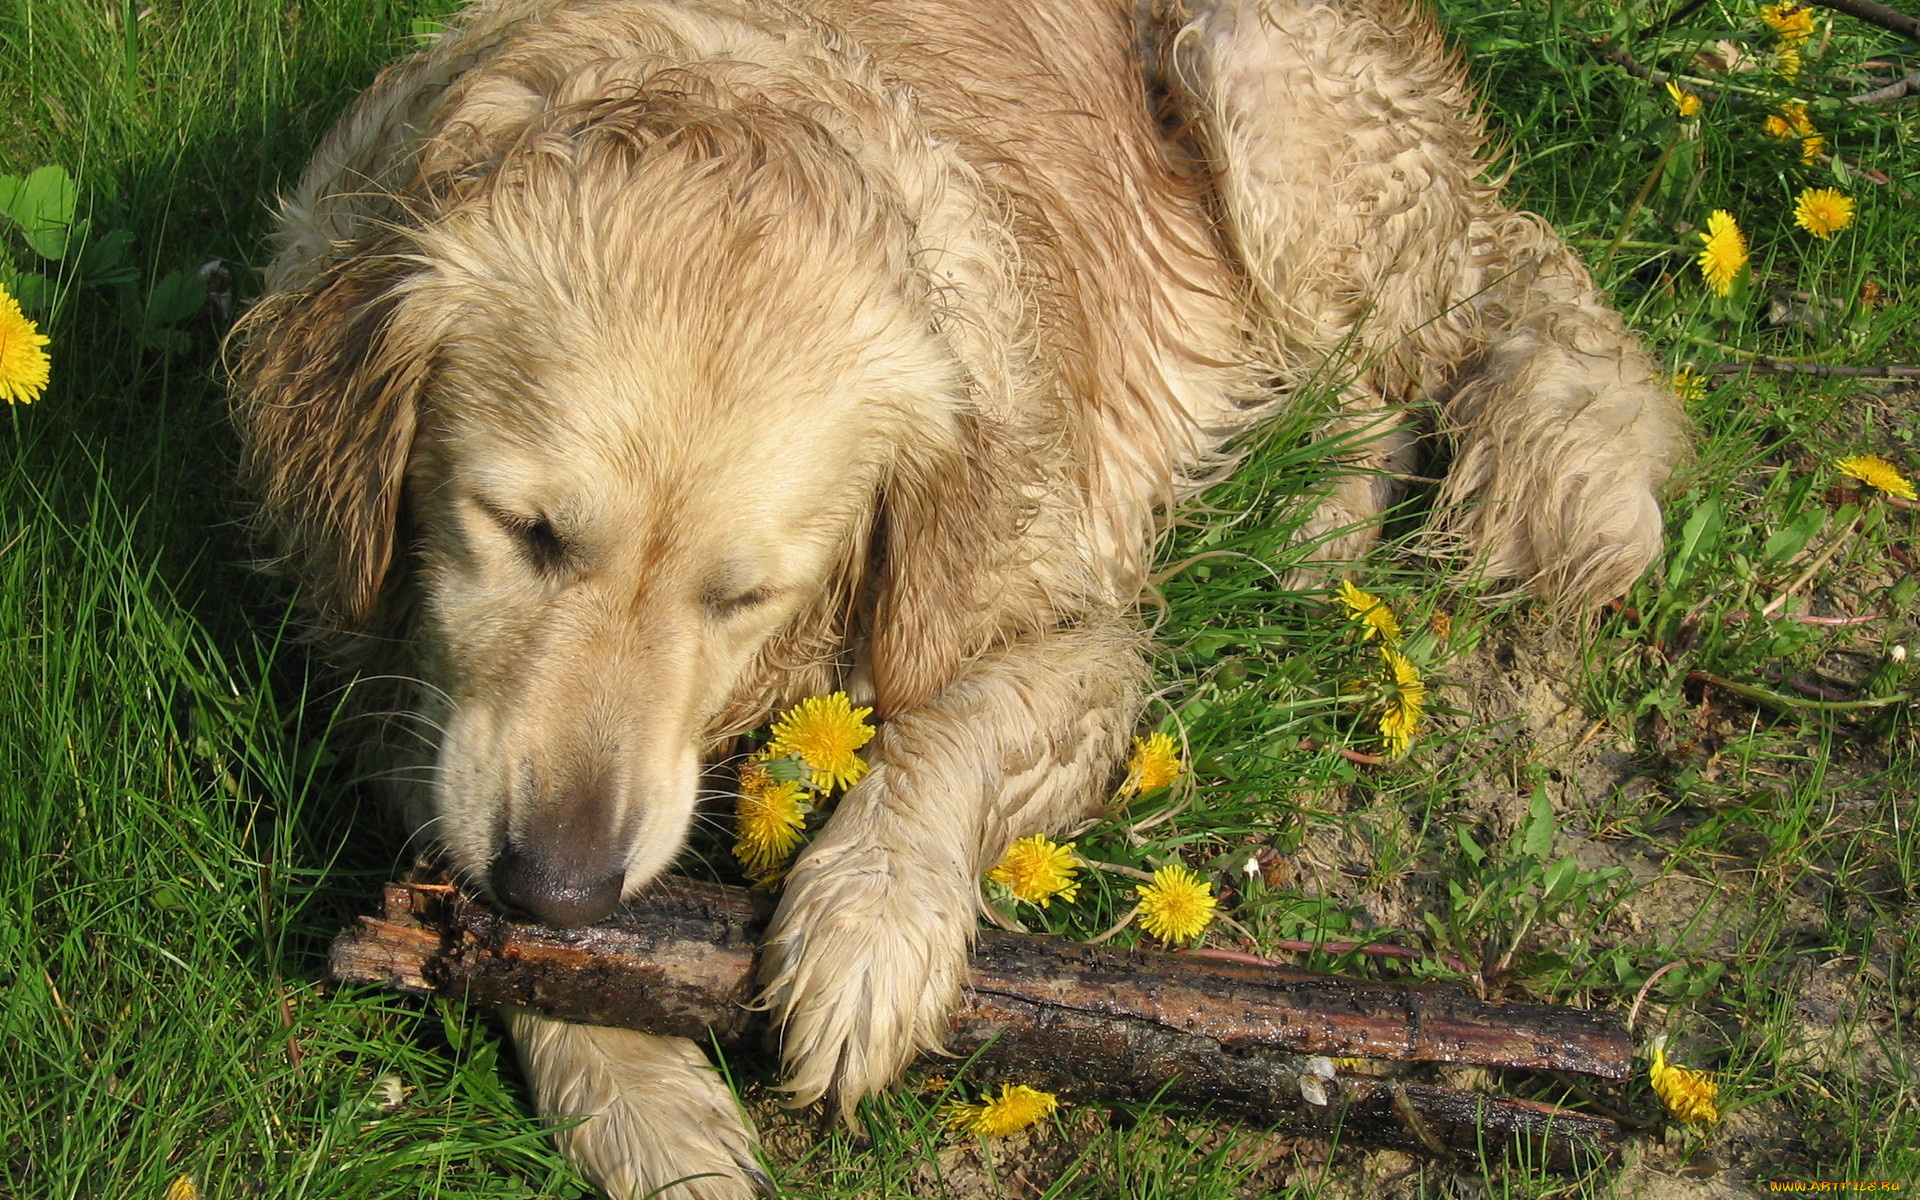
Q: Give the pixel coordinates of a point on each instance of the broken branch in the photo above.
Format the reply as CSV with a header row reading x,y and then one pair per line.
x,y
1090,1022
1876,14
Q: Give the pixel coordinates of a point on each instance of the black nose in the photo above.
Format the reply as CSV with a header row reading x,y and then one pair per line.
x,y
563,892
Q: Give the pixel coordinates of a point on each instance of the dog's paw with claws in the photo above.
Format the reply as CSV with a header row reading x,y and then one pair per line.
x,y
659,1120
864,960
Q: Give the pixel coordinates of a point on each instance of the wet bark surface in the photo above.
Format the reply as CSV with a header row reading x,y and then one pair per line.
x,y
1254,1043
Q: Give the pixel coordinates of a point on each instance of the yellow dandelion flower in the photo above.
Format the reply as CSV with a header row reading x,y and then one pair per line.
x,y
769,818
1725,252
1793,22
1688,1094
1689,385
1786,60
1016,1107
1875,471
24,365
1823,212
1155,763
1441,622
824,732
1406,702
1792,121
182,1189
1687,102
1177,905
1035,869
1371,611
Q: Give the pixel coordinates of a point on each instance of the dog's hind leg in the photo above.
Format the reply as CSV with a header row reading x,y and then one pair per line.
x,y
659,1120
868,951
1347,149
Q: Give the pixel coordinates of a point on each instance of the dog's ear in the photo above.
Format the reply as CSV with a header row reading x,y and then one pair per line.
x,y
326,404
949,517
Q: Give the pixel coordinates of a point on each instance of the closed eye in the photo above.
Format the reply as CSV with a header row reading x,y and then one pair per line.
x,y
722,604
539,541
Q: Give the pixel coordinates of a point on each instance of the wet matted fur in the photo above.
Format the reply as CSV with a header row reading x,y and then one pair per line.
x,y
632,369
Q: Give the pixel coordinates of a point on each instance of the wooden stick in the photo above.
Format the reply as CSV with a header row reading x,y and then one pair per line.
x,y
1896,90
1904,24
1777,366
1089,1022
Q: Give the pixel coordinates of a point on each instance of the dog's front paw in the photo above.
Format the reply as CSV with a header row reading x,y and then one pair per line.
x,y
659,1119
865,959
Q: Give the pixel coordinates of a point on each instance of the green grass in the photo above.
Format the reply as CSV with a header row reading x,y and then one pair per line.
x,y
180,840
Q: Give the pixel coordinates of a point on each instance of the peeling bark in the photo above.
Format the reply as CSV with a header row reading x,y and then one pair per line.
x,y
1089,1022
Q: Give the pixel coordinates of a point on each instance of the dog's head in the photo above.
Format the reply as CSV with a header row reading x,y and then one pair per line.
x,y
629,419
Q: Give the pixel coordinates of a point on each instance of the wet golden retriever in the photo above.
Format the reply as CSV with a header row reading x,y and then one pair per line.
x,y
630,369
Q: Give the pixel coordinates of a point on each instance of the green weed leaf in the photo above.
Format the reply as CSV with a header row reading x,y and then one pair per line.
x,y
42,206
34,292
1560,883
177,296
1469,847
1700,533
104,261
1537,842
1787,542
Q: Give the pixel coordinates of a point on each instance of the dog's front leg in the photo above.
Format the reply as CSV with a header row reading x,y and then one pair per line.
x,y
868,951
659,1120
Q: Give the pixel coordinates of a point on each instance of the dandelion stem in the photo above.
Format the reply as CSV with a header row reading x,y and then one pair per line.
x,y
1813,568
1746,356
1117,869
1113,931
1633,1014
1639,201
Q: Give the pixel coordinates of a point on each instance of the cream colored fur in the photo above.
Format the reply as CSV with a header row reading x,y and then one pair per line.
x,y
630,370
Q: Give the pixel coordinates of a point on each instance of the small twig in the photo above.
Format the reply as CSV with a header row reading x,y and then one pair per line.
x,y
1775,675
1786,366
1775,699
295,1055
1605,48
1876,14
1597,1105
1671,19
1896,90
1806,619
